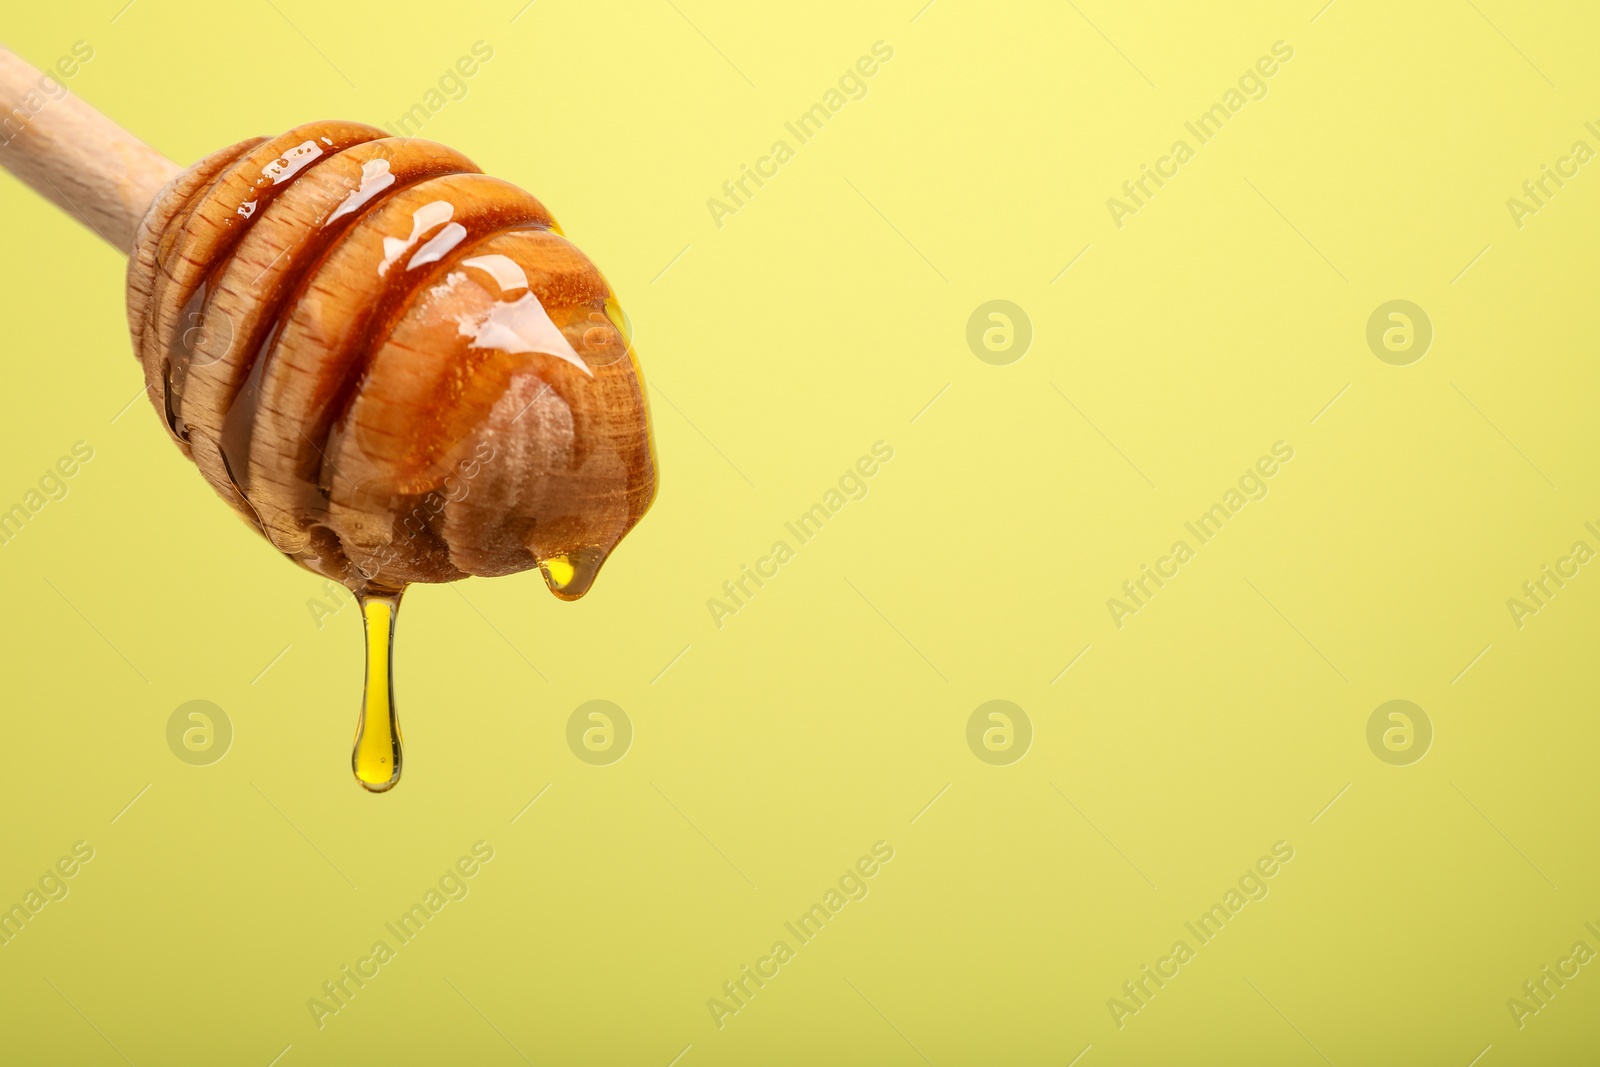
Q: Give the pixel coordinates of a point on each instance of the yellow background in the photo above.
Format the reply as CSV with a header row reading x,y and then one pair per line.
x,y
772,752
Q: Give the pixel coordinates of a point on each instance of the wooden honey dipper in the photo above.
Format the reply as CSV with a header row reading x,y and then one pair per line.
x,y
391,365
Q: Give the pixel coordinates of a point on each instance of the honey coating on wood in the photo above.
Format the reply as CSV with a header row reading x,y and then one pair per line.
x,y
393,366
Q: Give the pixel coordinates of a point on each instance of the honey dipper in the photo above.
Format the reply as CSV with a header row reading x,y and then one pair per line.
x,y
392,366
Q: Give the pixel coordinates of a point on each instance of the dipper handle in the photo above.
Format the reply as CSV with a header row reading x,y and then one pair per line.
x,y
74,156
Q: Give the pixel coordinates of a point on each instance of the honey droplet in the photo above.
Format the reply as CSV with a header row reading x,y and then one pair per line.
x,y
570,574
376,759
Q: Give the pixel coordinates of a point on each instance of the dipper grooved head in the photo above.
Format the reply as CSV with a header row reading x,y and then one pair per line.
x,y
392,365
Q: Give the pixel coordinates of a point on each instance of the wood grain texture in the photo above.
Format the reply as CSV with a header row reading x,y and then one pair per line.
x,y
74,156
392,365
